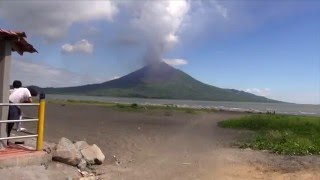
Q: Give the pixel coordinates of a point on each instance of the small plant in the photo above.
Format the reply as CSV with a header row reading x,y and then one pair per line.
x,y
190,111
134,105
121,106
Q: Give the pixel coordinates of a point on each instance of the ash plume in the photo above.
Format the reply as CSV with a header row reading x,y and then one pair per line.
x,y
159,23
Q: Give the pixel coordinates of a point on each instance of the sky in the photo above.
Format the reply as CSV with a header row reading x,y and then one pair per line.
x,y
268,48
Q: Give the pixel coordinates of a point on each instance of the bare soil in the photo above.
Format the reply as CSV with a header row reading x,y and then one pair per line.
x,y
165,144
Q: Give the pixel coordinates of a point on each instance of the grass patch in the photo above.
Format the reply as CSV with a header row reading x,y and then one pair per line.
x,y
71,101
283,134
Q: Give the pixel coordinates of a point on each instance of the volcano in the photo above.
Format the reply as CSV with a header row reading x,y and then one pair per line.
x,y
160,80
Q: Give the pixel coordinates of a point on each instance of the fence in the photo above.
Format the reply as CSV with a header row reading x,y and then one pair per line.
x,y
40,120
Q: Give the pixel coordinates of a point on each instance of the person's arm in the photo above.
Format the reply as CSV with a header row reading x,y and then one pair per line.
x,y
29,100
28,97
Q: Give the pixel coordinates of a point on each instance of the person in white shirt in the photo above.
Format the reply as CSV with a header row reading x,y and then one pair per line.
x,y
15,85
19,95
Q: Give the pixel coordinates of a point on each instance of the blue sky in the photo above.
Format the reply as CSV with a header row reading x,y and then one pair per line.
x,y
267,48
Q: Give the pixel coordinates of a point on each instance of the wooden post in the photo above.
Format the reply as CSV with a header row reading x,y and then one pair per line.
x,y
5,62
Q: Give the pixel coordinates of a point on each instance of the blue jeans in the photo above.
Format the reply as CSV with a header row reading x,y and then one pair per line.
x,y
14,114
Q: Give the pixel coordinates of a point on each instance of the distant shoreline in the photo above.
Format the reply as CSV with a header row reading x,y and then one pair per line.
x,y
172,106
151,98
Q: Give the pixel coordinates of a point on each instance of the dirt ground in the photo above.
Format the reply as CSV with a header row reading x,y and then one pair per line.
x,y
161,144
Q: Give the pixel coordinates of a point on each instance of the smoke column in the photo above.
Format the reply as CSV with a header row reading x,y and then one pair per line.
x,y
159,22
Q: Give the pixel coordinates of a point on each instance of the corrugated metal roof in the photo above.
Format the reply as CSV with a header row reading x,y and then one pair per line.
x,y
19,43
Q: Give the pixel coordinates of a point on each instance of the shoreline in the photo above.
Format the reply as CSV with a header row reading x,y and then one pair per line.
x,y
252,107
153,105
177,106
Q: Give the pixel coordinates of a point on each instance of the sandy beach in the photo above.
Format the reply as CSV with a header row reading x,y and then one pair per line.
x,y
163,144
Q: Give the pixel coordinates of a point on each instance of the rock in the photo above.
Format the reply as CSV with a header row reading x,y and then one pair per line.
x,y
87,176
116,160
93,155
66,152
81,145
82,165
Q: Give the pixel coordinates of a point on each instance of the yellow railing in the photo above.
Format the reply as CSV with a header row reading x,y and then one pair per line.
x,y
40,127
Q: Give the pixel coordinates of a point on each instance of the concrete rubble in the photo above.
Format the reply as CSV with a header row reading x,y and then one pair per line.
x,y
66,152
81,145
79,154
93,155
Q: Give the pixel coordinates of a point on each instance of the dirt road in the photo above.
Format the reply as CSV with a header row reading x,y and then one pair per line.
x,y
161,144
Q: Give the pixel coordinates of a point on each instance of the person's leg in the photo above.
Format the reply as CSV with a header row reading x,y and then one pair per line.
x,y
19,124
9,128
15,126
20,128
14,114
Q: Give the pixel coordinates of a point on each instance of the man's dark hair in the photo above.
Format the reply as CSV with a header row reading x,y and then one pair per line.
x,y
16,84
33,91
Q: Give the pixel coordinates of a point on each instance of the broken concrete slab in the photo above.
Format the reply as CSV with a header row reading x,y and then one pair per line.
x,y
93,155
66,152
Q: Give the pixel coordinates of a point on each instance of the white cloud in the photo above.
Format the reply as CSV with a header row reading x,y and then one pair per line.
x,y
157,24
260,92
176,62
52,19
223,11
114,77
82,46
43,75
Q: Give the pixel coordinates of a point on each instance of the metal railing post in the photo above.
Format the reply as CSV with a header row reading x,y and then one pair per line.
x,y
41,122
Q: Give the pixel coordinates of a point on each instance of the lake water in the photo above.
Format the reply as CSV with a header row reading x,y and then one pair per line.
x,y
279,108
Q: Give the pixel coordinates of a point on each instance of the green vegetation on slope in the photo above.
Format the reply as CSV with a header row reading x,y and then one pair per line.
x,y
283,134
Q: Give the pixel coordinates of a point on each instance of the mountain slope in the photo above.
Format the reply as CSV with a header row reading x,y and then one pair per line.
x,y
159,80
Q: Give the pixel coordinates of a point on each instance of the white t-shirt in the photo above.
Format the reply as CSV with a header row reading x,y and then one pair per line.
x,y
19,95
12,90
